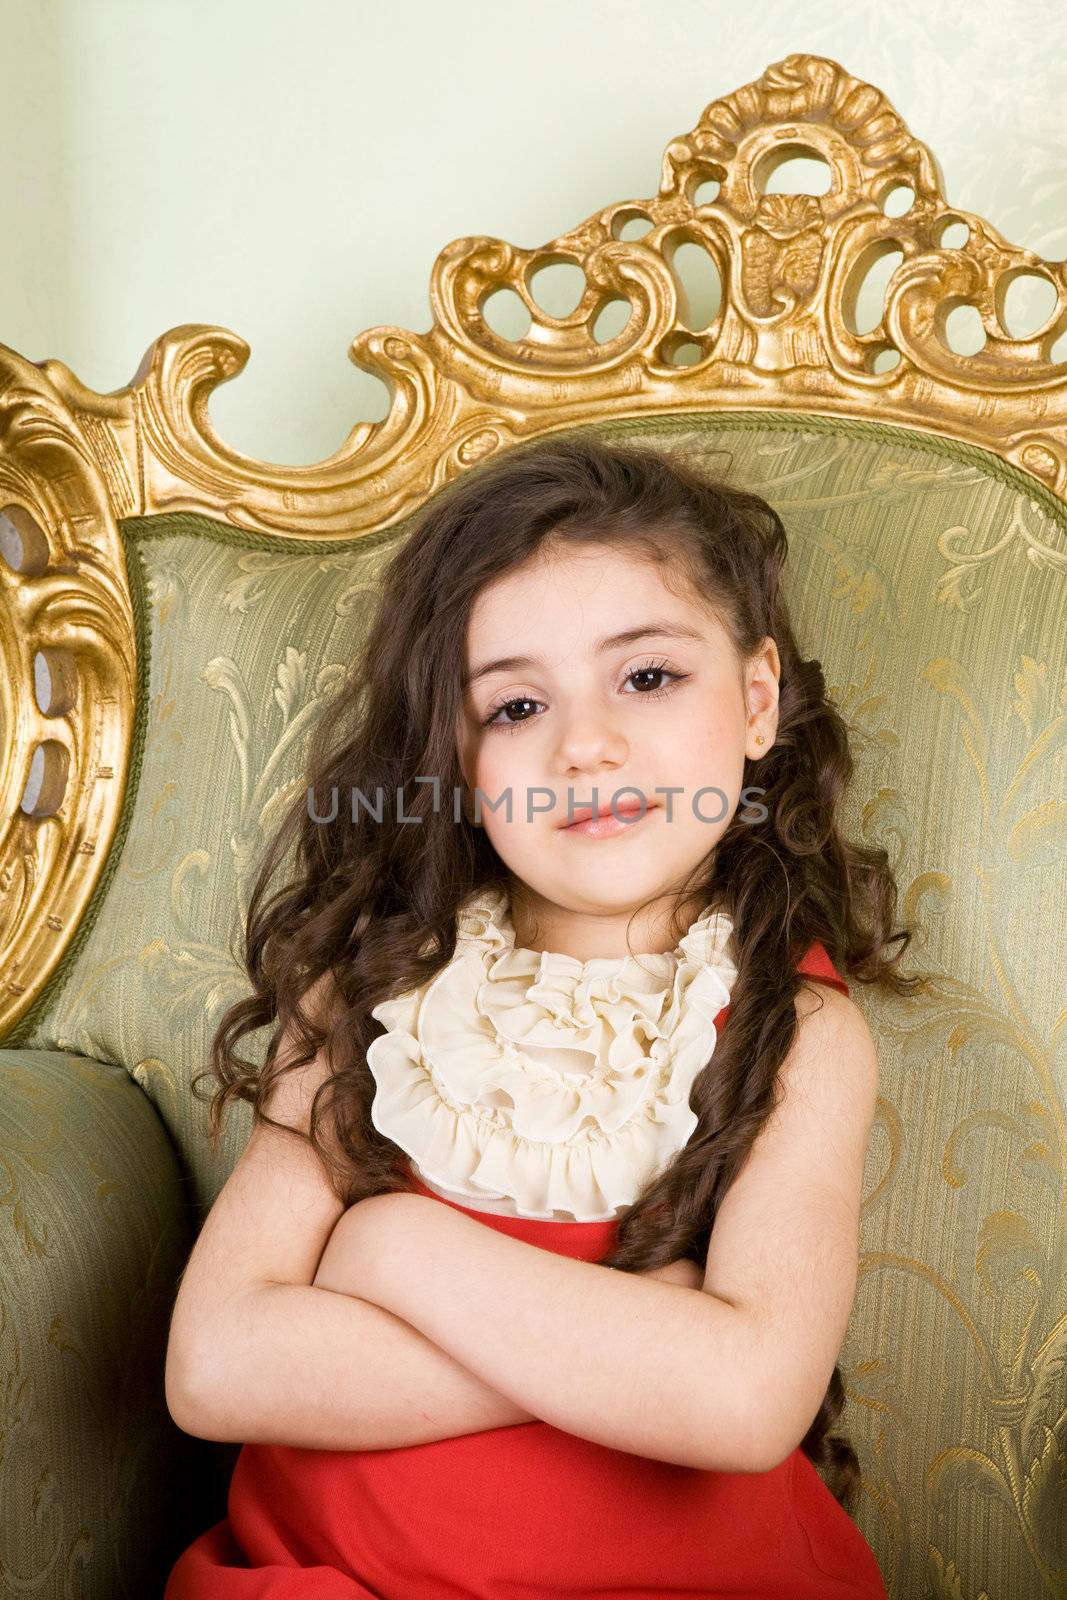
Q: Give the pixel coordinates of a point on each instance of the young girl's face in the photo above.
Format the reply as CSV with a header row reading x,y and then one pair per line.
x,y
567,708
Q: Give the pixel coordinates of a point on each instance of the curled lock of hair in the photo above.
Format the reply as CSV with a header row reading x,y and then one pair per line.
x,y
344,915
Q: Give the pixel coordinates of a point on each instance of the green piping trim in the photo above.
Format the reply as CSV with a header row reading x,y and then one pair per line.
x,y
173,524
163,525
938,444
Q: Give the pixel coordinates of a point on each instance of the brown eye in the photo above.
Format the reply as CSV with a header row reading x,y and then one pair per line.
x,y
655,669
521,700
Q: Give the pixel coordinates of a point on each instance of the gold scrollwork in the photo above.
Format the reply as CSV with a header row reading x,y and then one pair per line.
x,y
785,336
69,663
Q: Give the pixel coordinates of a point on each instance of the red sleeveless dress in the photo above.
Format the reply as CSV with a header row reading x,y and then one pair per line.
x,y
526,1512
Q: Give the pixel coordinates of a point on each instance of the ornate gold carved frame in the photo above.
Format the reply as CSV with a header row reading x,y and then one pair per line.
x,y
785,336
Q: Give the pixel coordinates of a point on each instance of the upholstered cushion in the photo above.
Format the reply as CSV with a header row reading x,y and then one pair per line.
x,y
99,1227
931,581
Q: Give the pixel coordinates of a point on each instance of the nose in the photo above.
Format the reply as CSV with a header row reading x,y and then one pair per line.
x,y
589,743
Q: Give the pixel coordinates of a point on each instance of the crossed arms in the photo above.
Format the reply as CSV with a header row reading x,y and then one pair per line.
x,y
422,1323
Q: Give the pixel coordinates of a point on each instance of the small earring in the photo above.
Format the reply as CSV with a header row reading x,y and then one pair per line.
x,y
759,738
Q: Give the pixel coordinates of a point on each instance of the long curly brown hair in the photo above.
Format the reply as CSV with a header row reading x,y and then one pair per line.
x,y
371,905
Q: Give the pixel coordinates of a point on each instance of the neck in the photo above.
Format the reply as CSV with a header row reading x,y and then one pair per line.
x,y
652,929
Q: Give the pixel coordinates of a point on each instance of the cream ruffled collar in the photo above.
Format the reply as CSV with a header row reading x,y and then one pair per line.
x,y
548,1084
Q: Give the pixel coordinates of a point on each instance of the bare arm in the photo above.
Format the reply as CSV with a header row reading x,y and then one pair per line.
x,y
263,1348
667,1376
306,1366
260,1350
320,1369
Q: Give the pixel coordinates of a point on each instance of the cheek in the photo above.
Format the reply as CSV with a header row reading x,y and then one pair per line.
x,y
697,737
492,764
480,758
712,753
477,756
719,722
506,766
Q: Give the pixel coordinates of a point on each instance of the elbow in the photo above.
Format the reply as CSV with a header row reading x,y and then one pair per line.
x,y
779,1402
188,1401
182,1408
756,1435
778,1431
747,1452
767,1455
192,1412
740,1439
181,1396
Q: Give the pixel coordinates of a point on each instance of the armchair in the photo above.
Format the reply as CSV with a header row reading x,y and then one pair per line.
x,y
173,615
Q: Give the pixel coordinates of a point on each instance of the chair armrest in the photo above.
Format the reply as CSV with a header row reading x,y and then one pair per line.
x,y
95,1232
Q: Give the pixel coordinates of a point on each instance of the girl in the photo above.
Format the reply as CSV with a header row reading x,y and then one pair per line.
x,y
521,1043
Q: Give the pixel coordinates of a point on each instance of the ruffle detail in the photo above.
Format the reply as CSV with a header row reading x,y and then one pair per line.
x,y
556,1084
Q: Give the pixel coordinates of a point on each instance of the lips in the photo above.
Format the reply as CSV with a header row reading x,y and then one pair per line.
x,y
625,808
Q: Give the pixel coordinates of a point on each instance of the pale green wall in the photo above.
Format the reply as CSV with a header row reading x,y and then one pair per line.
x,y
290,170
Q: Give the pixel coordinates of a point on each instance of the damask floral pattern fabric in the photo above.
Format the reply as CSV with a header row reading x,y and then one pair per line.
x,y
931,582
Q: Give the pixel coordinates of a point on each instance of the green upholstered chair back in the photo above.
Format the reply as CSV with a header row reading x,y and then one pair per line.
x,y
929,578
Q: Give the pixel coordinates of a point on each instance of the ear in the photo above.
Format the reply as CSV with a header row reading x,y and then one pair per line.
x,y
761,699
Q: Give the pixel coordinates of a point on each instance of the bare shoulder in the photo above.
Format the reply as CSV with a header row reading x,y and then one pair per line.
x,y
842,1016
831,1069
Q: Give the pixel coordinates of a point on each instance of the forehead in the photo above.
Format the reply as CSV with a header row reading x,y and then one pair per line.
x,y
568,593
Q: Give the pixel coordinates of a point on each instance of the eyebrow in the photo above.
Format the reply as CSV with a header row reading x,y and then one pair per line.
x,y
652,630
